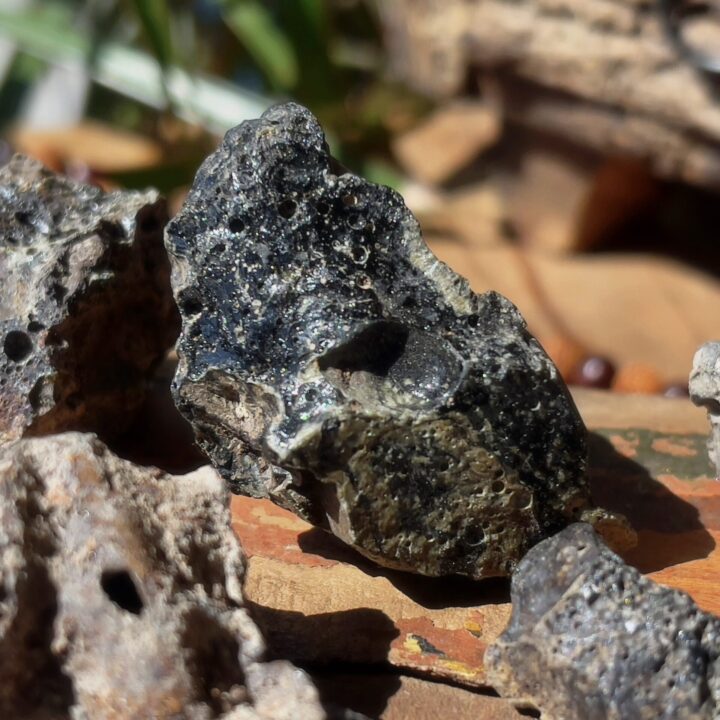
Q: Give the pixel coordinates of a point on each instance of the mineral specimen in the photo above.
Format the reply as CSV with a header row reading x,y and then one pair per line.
x,y
330,362
705,392
591,638
120,595
85,302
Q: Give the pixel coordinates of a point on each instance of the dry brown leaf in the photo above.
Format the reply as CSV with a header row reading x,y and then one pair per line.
x,y
630,308
448,140
102,148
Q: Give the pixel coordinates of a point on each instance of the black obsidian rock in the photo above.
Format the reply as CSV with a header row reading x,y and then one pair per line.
x,y
330,362
86,309
591,638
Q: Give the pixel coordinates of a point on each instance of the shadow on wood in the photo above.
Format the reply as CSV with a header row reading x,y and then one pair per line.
x,y
673,533
432,593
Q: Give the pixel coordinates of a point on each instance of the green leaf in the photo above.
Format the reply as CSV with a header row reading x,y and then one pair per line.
x,y
154,17
210,101
266,43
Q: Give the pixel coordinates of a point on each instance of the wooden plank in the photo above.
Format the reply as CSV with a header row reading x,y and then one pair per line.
x,y
318,601
399,697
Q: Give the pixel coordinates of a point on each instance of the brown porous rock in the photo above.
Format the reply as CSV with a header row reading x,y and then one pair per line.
x,y
120,595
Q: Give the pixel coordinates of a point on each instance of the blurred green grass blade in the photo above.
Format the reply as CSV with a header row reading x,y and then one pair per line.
x,y
273,53
154,17
211,102
315,15
307,27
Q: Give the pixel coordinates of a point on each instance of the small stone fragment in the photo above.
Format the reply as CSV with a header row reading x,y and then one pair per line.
x,y
120,595
85,302
705,392
591,638
330,362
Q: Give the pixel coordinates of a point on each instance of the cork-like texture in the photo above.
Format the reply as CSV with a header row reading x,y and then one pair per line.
x,y
330,362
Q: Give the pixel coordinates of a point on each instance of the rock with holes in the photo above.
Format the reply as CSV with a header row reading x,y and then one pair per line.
x,y
705,392
591,638
330,362
120,595
85,302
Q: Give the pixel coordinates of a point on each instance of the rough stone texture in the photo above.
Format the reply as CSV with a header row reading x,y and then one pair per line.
x,y
591,638
601,74
705,392
330,362
85,302
120,595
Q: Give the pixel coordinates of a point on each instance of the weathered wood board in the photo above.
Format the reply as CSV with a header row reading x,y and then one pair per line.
x,y
321,603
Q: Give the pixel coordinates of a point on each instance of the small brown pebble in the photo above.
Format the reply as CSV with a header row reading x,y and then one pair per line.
x,y
638,378
676,390
595,371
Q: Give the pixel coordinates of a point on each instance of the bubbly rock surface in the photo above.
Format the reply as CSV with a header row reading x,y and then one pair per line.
x,y
705,392
591,638
85,302
330,362
120,595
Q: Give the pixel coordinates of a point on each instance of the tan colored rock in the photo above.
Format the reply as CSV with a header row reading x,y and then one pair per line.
x,y
120,595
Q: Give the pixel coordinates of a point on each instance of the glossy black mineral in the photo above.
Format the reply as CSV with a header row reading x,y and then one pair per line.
x,y
591,638
85,302
330,362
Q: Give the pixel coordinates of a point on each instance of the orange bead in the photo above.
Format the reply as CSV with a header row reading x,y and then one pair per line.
x,y
638,378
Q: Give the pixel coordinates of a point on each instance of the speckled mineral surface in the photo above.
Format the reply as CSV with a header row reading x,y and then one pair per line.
x,y
120,595
705,392
591,638
330,362
85,302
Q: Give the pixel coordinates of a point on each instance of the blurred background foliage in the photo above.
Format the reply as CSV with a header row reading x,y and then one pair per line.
x,y
184,71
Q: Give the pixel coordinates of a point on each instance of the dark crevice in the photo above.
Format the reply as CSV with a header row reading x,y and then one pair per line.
x,y
374,350
17,345
213,658
34,681
120,588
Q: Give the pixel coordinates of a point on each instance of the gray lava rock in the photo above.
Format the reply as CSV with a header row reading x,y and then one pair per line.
x,y
591,638
330,362
85,302
705,392
120,595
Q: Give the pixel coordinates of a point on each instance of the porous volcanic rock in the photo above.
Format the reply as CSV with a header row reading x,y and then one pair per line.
x,y
85,302
705,392
330,362
591,638
120,595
